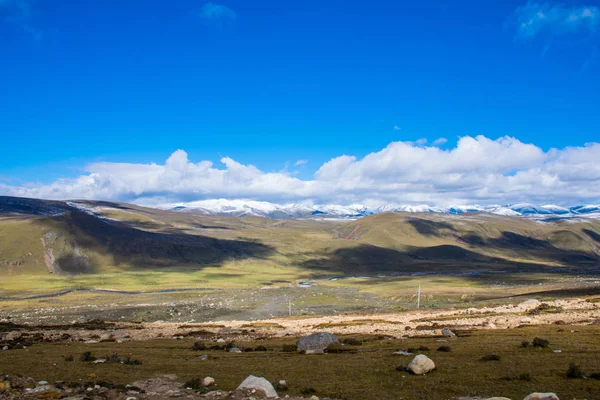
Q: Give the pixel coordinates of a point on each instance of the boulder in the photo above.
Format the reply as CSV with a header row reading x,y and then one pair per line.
x,y
208,381
258,383
421,364
542,396
235,350
317,342
44,392
529,304
446,332
13,336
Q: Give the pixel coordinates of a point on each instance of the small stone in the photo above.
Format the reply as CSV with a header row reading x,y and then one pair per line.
x,y
403,353
282,384
314,398
220,340
235,350
42,383
208,381
99,361
557,351
542,396
204,357
5,348
446,332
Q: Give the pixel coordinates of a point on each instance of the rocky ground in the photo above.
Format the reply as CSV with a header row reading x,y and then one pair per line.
x,y
397,325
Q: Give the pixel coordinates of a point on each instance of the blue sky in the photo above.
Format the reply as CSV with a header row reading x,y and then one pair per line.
x,y
269,83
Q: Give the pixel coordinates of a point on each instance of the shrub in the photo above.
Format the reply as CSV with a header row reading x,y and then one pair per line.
x,y
260,348
307,391
289,348
198,346
574,371
491,357
87,356
129,361
595,375
539,342
525,343
525,377
195,384
335,348
352,342
69,357
423,348
444,349
113,358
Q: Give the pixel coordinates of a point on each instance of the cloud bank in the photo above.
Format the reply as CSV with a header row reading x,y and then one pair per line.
x,y
478,170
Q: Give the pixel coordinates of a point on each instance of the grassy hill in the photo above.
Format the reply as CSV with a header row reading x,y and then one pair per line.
x,y
125,243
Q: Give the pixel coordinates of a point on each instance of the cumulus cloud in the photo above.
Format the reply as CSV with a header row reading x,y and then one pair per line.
x,y
439,142
212,12
477,170
397,128
535,18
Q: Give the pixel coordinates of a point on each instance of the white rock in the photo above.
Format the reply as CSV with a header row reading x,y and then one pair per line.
x,y
99,361
446,332
258,383
5,348
421,364
208,381
529,304
403,353
235,350
220,340
542,396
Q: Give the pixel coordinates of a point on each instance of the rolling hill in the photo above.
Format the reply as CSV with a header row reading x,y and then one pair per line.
x,y
39,237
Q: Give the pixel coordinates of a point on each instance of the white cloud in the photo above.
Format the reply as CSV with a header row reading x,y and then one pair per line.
x,y
535,18
439,142
300,163
421,142
397,128
477,170
217,12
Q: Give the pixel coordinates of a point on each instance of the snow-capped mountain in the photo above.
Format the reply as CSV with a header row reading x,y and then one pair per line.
x,y
243,208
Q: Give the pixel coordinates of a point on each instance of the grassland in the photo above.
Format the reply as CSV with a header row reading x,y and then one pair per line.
x,y
365,372
458,260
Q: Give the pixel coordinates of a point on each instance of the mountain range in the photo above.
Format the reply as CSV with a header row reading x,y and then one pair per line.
x,y
242,208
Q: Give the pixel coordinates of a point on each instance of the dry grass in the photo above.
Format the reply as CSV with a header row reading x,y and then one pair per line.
x,y
368,374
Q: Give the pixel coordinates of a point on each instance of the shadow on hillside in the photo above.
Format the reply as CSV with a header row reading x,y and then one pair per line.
x,y
24,206
371,260
592,234
429,228
529,248
128,245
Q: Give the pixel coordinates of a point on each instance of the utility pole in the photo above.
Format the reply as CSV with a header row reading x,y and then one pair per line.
x,y
419,297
